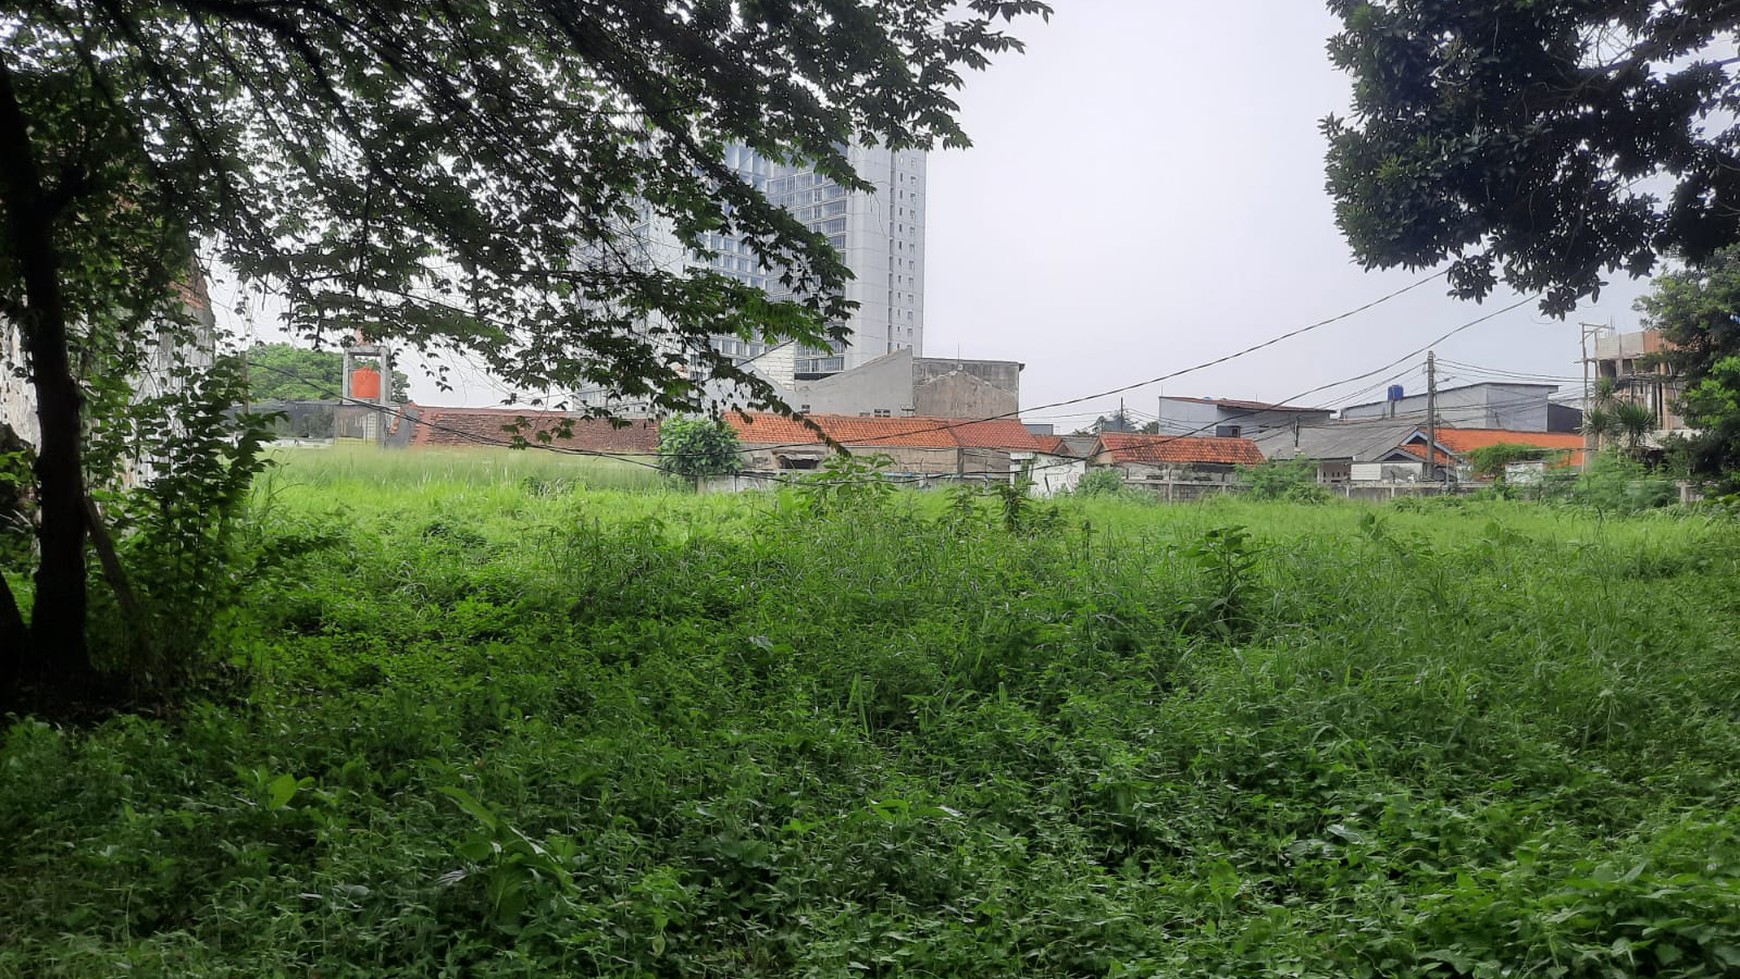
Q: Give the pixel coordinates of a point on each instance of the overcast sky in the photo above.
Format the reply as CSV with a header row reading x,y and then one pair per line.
x,y
1145,192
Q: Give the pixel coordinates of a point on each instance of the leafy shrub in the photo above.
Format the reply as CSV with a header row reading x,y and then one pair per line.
x,y
1616,484
1293,480
1101,481
697,447
847,484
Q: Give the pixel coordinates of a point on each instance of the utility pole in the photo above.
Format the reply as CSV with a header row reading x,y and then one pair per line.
x,y
1589,446
1432,416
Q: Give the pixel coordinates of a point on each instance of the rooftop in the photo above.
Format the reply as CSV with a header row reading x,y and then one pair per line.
x,y
1462,441
1247,405
761,428
1129,447
438,426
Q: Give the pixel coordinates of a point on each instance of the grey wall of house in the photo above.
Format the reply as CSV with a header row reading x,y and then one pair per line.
x,y
1004,374
905,458
884,384
1189,417
1513,407
900,384
963,395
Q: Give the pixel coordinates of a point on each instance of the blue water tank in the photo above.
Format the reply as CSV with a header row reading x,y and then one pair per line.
x,y
1396,392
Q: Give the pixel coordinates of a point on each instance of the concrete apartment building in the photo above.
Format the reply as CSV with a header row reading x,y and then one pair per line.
x,y
1636,365
1229,418
1515,407
895,385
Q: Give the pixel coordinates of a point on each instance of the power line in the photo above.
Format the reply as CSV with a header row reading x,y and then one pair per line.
x,y
1067,402
568,450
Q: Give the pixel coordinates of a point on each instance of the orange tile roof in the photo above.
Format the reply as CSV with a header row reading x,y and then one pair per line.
x,y
1051,444
490,426
994,433
1130,447
1462,441
765,428
918,432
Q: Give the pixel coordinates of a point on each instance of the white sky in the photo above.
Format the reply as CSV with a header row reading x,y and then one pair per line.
x,y
1145,192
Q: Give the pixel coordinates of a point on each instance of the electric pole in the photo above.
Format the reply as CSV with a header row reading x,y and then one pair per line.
x,y
1589,437
1432,416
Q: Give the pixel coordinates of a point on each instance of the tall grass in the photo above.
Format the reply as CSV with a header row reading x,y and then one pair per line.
x,y
506,730
368,469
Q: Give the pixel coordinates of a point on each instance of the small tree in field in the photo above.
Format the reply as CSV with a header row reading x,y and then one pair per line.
x,y
1293,480
697,447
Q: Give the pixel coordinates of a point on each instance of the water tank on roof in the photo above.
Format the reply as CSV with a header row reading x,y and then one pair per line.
x,y
365,384
1396,393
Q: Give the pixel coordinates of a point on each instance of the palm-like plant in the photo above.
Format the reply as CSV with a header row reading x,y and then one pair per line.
x,y
1634,421
1602,423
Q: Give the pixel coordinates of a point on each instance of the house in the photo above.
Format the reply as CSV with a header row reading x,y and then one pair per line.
x,y
895,385
1174,457
993,448
1456,447
1515,407
1059,464
438,427
1338,447
1228,418
1636,364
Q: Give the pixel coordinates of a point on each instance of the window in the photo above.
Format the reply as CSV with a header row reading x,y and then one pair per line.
x,y
883,413
1227,431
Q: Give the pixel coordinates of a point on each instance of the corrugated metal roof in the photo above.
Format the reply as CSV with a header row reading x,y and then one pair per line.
x,y
1365,440
1251,405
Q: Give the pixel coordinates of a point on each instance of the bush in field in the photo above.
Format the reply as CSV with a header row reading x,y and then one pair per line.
x,y
1293,480
698,447
1616,484
1101,481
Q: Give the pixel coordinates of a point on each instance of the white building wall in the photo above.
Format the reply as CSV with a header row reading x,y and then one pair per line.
x,y
17,398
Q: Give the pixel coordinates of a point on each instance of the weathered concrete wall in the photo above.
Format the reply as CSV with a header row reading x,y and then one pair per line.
x,y
906,459
959,394
884,384
1005,374
1052,475
1512,407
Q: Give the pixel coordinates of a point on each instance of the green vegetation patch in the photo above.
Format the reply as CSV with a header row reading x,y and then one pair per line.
x,y
506,729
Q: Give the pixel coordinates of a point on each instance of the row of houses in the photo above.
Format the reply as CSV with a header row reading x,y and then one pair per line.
x,y
1003,449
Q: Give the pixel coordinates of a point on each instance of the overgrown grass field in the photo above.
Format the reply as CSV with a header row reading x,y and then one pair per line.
x,y
511,726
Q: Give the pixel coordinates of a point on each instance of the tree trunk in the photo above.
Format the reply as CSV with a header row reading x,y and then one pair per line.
x,y
58,655
14,638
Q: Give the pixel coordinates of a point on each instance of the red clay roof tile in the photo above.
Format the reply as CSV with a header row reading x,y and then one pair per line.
x,y
908,432
492,426
1126,447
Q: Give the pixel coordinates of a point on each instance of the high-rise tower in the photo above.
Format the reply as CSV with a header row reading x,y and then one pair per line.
x,y
880,237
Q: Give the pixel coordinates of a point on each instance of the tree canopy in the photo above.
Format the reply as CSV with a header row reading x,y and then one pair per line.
x,y
459,176
1547,145
695,447
1697,310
